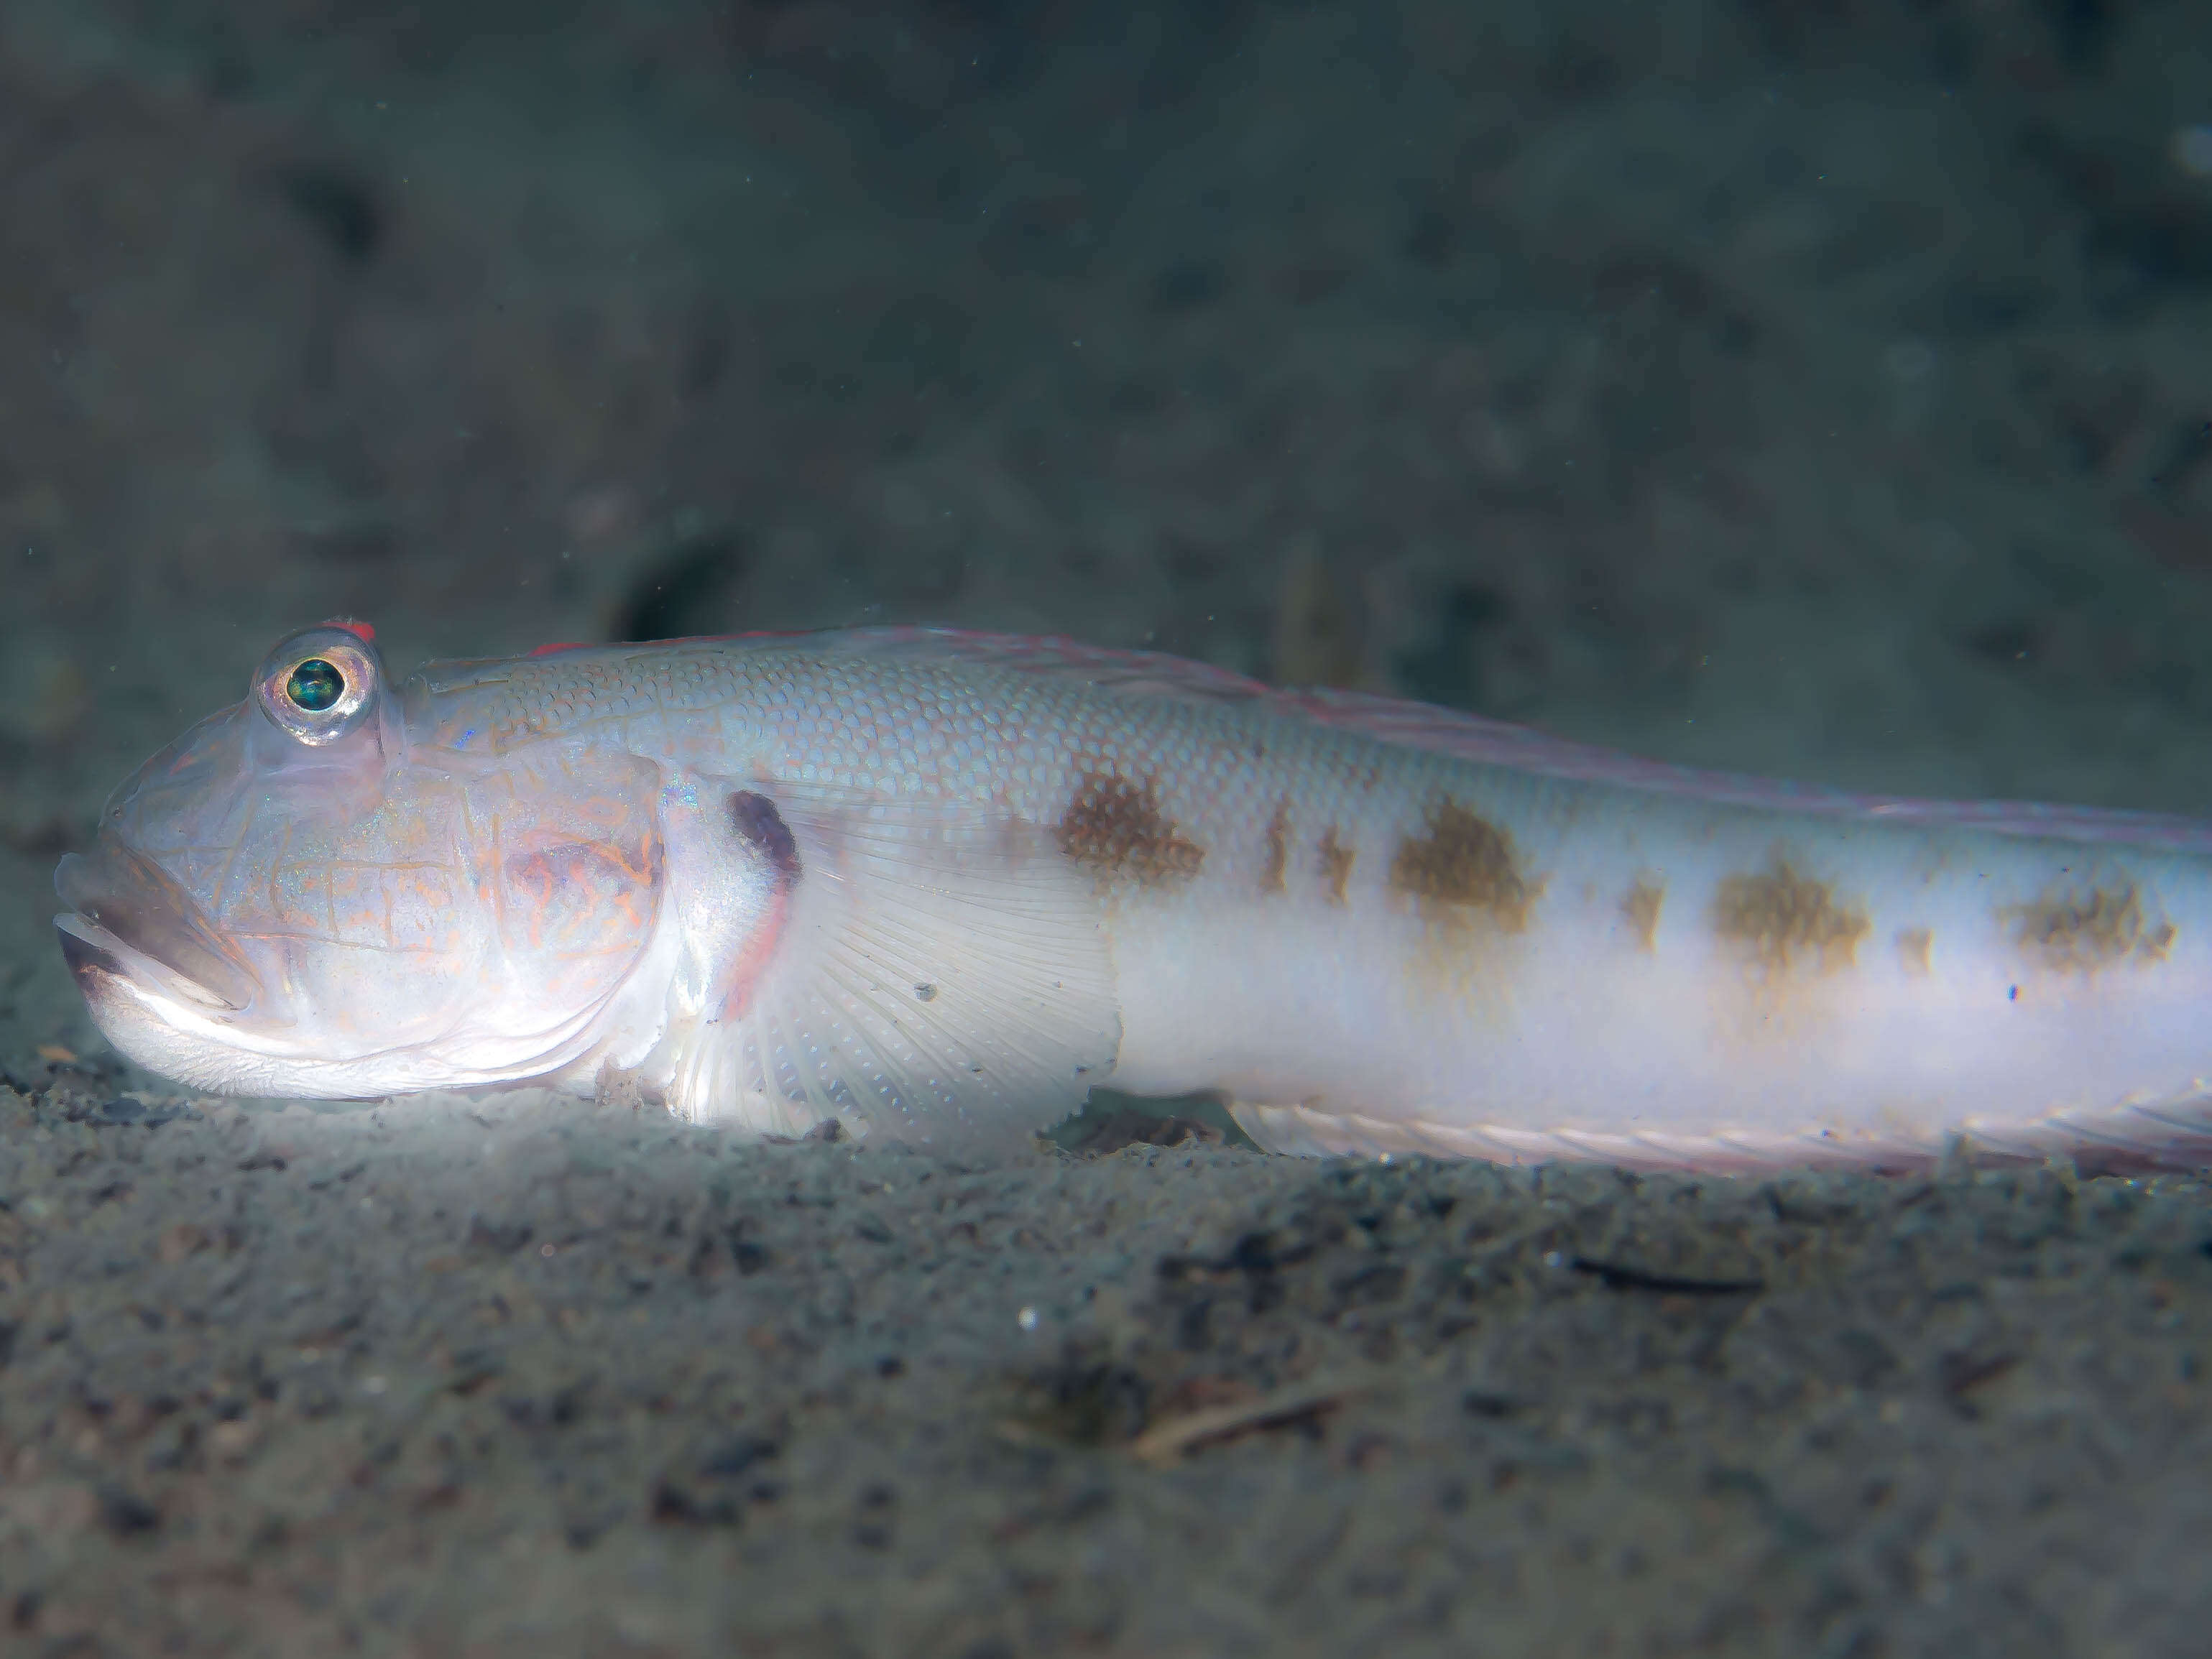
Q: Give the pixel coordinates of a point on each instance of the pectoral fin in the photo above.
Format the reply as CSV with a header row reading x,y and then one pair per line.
x,y
929,972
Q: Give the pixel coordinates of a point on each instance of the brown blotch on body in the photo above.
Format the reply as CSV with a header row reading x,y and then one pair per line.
x,y
1913,945
1116,828
1465,860
2078,931
1782,920
1640,906
1279,848
1334,865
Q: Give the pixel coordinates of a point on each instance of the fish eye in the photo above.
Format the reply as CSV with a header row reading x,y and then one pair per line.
x,y
314,685
318,685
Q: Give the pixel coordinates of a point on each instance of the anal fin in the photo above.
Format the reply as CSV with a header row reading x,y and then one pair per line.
x,y
1301,1129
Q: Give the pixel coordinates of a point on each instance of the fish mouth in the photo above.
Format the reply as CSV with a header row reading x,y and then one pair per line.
x,y
129,921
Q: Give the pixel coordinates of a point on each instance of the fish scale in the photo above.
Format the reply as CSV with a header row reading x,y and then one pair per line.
x,y
938,885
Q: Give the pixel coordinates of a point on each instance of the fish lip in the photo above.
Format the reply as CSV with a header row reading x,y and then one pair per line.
x,y
94,952
128,901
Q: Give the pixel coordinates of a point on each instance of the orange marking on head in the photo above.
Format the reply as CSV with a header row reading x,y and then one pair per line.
x,y
533,878
600,810
640,874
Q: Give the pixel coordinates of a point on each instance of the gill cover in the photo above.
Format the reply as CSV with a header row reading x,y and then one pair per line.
x,y
301,896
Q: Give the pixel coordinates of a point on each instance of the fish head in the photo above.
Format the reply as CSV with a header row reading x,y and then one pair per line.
x,y
308,894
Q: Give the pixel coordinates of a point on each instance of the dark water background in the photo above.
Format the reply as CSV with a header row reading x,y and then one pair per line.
x,y
1820,388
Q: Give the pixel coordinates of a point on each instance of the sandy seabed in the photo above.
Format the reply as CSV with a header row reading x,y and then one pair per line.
x,y
505,1377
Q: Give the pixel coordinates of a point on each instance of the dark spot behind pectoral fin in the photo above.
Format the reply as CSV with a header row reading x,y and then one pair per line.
x,y
762,827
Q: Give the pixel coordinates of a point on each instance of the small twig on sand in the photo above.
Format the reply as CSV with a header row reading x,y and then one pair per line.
x,y
1166,1443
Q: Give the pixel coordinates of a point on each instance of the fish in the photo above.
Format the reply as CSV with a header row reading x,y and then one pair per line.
x,y
938,885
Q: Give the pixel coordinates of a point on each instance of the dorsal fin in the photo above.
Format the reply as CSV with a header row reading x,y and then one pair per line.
x,y
1138,673
1487,742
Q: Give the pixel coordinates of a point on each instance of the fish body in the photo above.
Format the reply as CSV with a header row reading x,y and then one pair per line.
x,y
938,885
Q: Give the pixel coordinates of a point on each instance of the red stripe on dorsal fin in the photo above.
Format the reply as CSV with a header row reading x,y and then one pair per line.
x,y
365,632
562,644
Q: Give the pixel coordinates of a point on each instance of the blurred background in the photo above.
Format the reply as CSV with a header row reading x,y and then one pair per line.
x,y
1812,386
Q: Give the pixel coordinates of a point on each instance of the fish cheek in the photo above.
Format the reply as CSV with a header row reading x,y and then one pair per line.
x,y
574,866
580,911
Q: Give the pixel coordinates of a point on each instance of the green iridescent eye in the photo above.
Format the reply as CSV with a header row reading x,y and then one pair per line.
x,y
314,685
319,685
